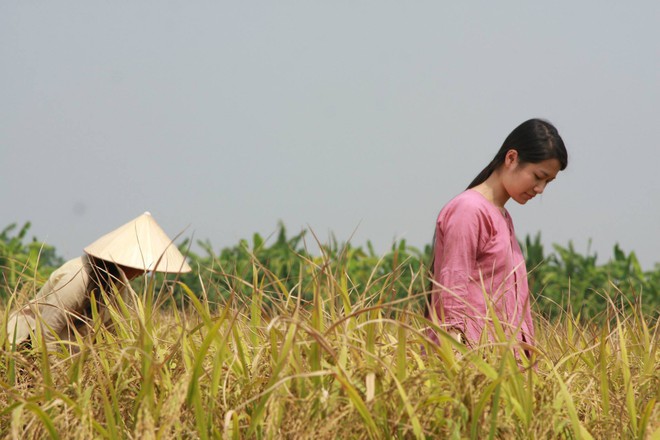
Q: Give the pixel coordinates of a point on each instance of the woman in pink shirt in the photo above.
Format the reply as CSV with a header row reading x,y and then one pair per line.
x,y
476,256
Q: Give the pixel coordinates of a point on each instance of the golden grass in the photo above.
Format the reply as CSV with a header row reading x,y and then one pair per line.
x,y
346,365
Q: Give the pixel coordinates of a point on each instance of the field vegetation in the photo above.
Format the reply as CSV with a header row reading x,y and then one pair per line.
x,y
267,340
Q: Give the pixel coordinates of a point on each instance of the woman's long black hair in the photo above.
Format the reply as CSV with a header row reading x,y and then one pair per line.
x,y
535,140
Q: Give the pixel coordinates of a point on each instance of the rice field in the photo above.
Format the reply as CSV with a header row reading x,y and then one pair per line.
x,y
350,362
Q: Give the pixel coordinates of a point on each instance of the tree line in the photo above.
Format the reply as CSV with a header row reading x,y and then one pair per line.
x,y
561,279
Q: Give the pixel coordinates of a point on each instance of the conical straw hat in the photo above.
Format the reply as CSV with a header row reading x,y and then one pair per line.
x,y
140,244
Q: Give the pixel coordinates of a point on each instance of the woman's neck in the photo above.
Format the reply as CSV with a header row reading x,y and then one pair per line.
x,y
493,190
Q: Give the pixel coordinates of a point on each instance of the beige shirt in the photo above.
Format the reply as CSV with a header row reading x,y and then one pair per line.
x,y
59,306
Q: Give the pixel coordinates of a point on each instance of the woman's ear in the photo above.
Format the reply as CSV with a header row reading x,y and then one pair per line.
x,y
511,158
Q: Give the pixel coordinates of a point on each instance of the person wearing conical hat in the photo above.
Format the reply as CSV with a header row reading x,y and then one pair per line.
x,y
63,305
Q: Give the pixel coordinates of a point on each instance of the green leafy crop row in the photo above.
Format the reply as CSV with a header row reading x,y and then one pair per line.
x,y
560,279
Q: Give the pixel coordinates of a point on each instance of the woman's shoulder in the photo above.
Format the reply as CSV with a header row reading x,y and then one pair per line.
x,y
468,208
468,201
64,276
67,271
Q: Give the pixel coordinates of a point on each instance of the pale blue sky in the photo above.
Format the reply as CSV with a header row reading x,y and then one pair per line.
x,y
341,116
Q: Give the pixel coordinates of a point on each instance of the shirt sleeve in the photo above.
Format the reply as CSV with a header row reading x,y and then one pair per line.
x,y
457,246
63,293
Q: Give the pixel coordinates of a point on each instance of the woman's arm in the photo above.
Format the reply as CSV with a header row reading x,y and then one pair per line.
x,y
456,251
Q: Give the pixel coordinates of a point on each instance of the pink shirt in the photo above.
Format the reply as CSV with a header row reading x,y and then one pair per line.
x,y
476,251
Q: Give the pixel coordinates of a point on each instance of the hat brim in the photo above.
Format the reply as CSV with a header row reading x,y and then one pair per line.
x,y
140,244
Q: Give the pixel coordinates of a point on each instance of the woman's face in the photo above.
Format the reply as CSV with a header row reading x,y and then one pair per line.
x,y
524,180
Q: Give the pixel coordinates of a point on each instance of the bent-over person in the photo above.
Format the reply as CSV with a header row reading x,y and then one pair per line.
x,y
63,305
